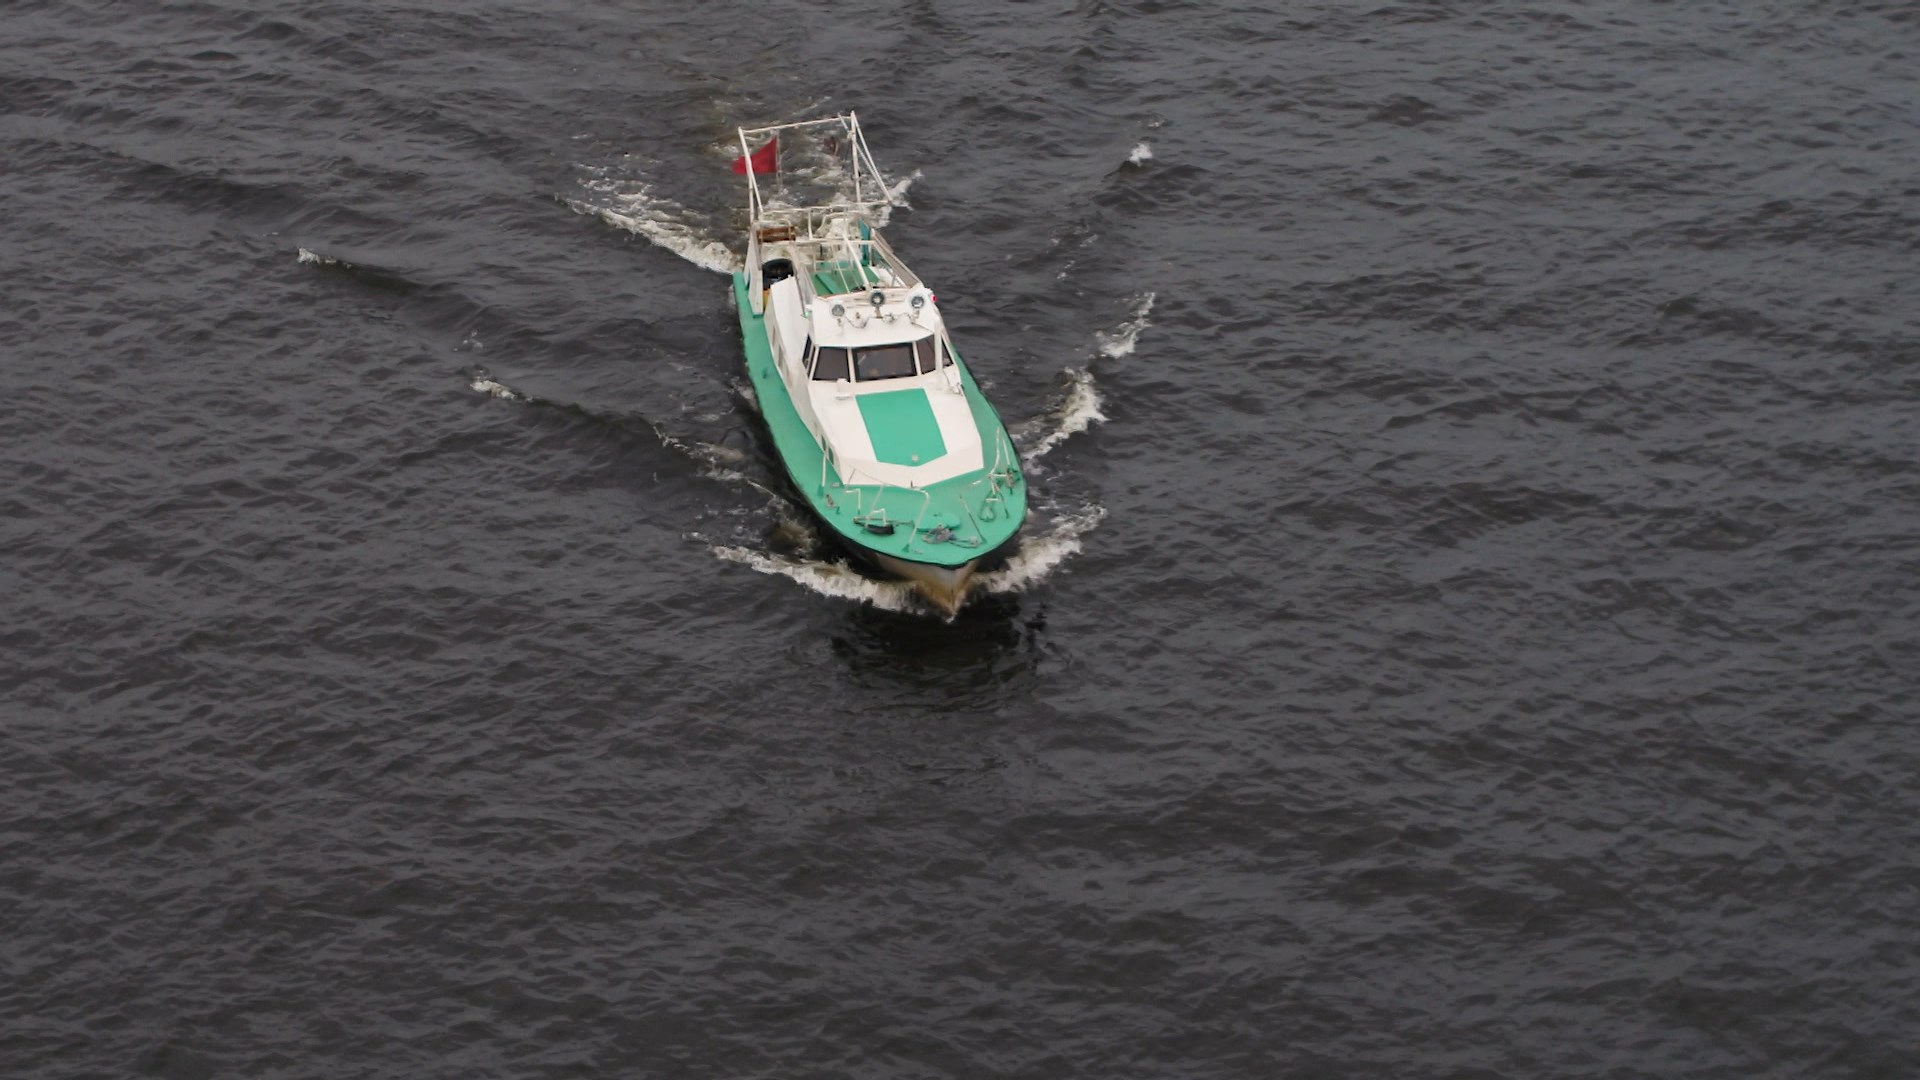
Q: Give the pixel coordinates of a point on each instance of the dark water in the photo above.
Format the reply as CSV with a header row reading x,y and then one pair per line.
x,y
1479,641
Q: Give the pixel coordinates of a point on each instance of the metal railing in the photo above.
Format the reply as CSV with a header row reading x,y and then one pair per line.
x,y
869,187
1001,479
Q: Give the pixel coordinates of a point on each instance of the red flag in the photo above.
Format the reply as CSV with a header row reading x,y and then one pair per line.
x,y
761,160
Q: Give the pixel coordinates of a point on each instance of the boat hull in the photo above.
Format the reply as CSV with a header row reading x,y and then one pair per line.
x,y
944,587
935,537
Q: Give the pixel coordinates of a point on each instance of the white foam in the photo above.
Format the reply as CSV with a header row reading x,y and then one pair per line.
x,y
488,386
314,258
897,198
828,579
1121,340
715,461
1039,556
712,455
633,206
1141,153
1077,410
485,384
898,192
1037,559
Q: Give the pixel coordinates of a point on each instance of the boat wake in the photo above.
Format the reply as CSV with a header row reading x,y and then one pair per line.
x,y
630,203
715,462
834,579
1120,341
486,384
899,189
897,192
1038,557
843,189
1077,409
377,277
1040,554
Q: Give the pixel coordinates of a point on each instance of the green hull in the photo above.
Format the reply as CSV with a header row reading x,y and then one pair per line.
x,y
949,524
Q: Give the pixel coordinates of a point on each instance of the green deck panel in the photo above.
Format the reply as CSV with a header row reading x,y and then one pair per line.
x,y
962,504
839,278
902,426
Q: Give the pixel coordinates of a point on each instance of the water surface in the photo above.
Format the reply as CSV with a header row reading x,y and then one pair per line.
x,y
1467,630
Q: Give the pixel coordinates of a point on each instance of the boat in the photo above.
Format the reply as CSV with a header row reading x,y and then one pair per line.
x,y
875,415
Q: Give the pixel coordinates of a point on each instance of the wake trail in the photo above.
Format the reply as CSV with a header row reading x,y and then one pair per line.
x,y
631,204
1121,340
1039,556
716,462
378,277
833,579
1077,409
1036,561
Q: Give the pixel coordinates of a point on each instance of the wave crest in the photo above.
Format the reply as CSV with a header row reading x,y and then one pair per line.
x,y
833,579
1077,409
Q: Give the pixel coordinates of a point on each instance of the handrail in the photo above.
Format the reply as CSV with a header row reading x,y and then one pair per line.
x,y
1001,474
863,511
841,118
926,504
853,251
979,534
1004,454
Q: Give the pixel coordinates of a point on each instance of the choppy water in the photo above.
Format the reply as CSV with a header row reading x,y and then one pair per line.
x,y
1469,629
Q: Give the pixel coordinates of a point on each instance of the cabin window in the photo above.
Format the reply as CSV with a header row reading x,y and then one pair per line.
x,y
884,362
924,351
830,364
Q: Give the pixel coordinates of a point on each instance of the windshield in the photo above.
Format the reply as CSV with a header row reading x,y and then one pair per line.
x,y
924,349
830,364
884,362
898,361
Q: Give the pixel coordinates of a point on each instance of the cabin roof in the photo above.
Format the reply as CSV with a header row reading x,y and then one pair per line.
x,y
859,326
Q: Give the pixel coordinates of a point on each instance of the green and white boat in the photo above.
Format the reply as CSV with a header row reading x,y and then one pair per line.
x,y
880,425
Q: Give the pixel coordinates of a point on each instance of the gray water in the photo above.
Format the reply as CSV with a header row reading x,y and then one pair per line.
x,y
1467,628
